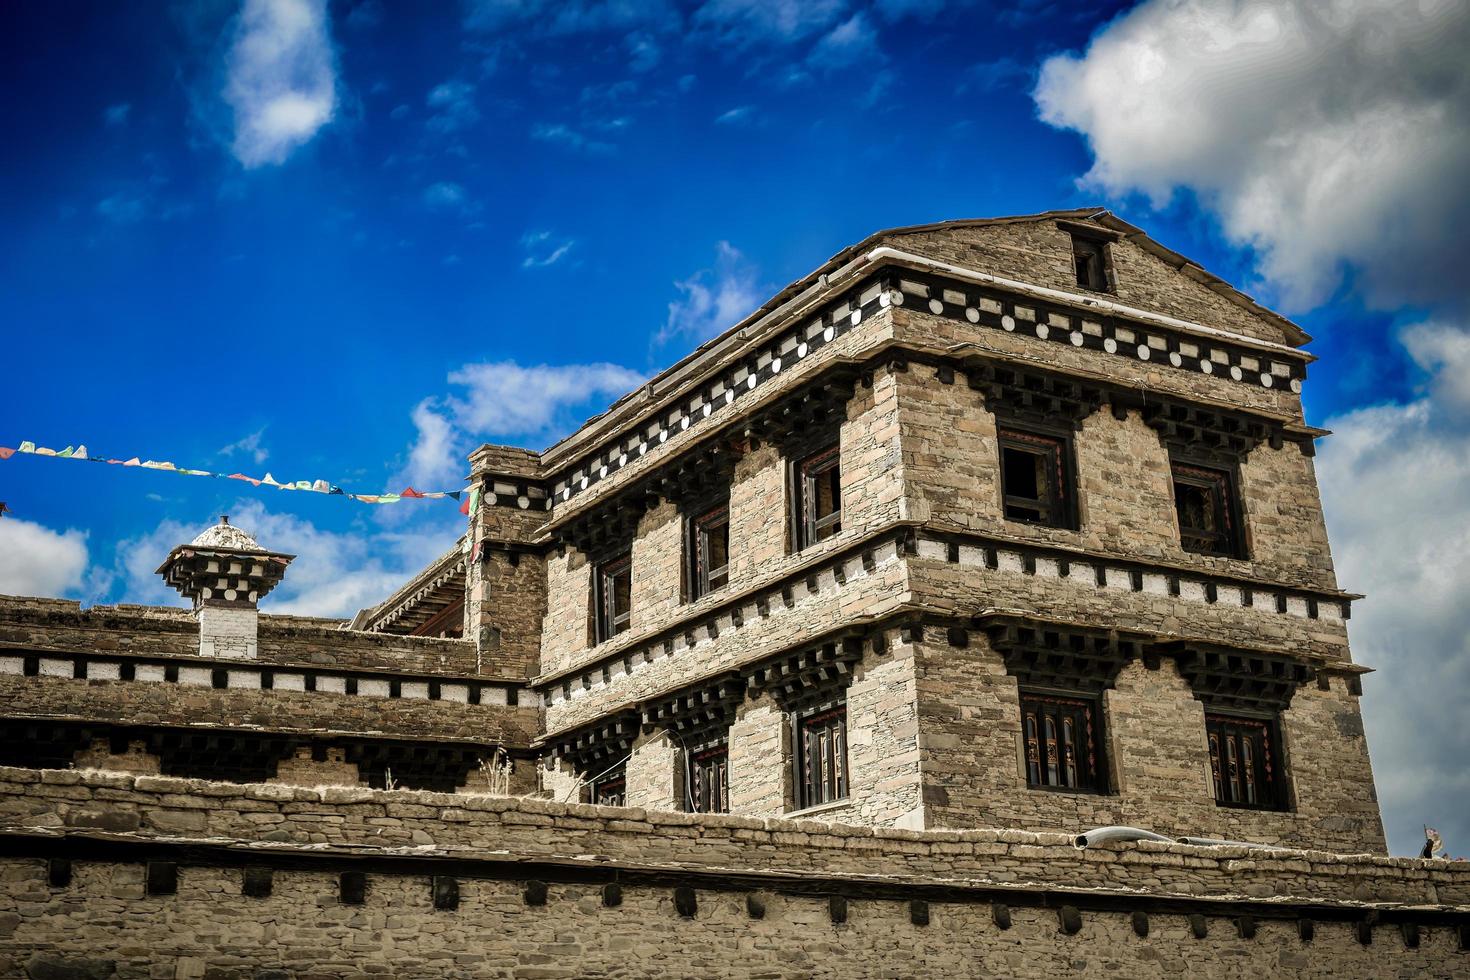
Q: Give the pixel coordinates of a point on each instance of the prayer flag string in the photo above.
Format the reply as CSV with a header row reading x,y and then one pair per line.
x,y
308,486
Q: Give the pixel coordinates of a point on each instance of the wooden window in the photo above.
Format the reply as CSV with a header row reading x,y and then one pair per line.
x,y
614,597
1090,261
818,497
1204,501
611,788
820,738
1063,741
1035,478
1243,761
709,543
709,780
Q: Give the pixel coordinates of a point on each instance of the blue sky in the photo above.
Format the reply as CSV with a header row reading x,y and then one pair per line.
x,y
350,241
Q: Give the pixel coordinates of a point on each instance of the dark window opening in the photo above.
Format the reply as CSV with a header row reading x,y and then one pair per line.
x,y
820,738
710,541
611,788
818,497
1063,743
614,597
709,780
1090,261
1035,478
1204,501
1243,761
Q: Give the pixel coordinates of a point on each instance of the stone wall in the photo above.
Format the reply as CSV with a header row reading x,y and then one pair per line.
x,y
547,890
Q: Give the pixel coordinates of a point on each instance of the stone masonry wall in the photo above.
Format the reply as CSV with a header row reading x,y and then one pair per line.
x,y
1041,253
1154,735
831,900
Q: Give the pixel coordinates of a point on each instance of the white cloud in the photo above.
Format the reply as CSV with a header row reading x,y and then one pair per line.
x,y
446,195
712,300
849,42
1324,135
334,574
248,446
37,561
739,114
1393,481
117,115
281,78
452,107
564,135
544,249
748,22
506,400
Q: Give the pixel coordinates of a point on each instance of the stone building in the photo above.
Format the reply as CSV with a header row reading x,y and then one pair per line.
x,y
983,534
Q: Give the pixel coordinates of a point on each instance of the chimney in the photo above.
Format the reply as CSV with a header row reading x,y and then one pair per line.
x,y
224,573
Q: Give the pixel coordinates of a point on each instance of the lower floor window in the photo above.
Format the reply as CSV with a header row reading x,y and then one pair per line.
x,y
1242,761
611,788
709,780
1063,742
820,738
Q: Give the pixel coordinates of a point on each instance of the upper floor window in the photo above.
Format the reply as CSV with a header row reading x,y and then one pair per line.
x,y
1090,260
1243,761
610,788
1063,742
818,497
709,544
709,779
1035,478
614,597
1204,501
820,740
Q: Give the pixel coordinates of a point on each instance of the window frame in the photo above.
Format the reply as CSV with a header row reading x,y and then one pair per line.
x,y
806,472
709,778
701,577
829,722
1098,254
1056,447
610,621
1246,734
1222,484
1090,777
616,779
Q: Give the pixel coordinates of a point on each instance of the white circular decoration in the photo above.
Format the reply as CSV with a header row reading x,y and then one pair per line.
x,y
1296,386
1144,353
684,422
663,435
935,306
523,502
1175,359
828,334
775,365
1267,381
749,383
1207,366
584,483
707,409
883,299
972,314
253,597
601,472
1008,322
856,318
1235,372
622,459
491,500
1042,331
729,396
1077,338
801,349
205,593
897,296
1110,345
230,595
643,449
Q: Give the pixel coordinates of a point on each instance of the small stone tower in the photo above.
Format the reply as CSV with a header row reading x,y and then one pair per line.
x,y
225,573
